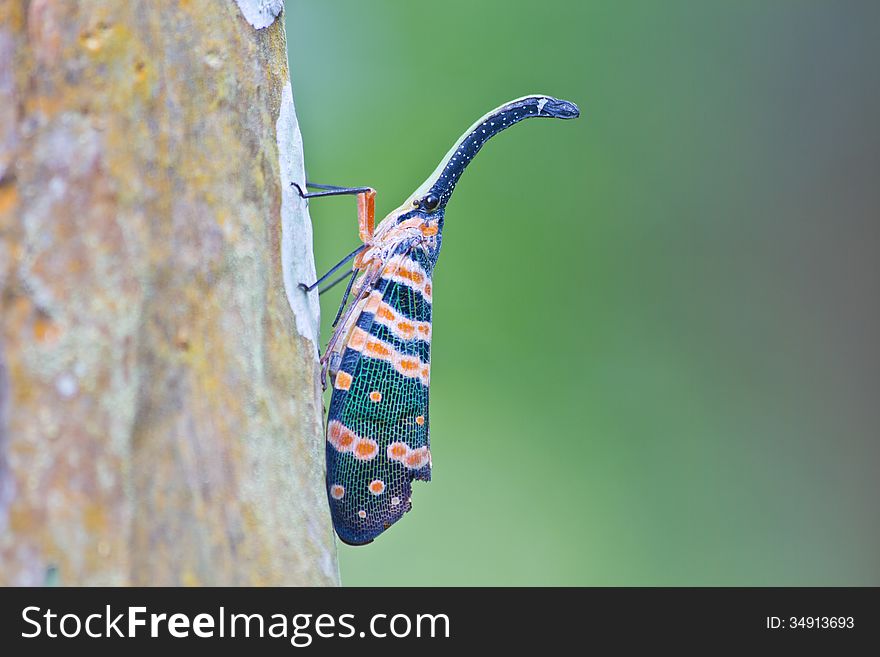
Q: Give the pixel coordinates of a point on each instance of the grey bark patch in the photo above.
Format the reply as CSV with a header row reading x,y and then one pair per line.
x,y
6,484
9,105
260,13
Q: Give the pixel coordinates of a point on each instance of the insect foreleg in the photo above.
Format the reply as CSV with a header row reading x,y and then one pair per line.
x,y
330,190
366,200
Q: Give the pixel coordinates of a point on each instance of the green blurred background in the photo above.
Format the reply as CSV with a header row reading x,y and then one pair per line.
x,y
655,354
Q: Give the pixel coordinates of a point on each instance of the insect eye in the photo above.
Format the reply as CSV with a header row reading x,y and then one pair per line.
x,y
430,202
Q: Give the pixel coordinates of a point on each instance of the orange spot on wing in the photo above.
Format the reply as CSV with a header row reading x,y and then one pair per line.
x,y
411,275
362,514
377,349
409,364
337,491
397,451
377,487
365,449
334,431
346,440
417,458
429,230
358,339
373,302
385,312
343,381
406,329
340,436
375,396
420,419
427,290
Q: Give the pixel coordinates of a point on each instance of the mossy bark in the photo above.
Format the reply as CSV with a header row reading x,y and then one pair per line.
x,y
160,412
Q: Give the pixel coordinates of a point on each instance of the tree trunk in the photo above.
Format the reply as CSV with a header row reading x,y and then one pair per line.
x,y
160,411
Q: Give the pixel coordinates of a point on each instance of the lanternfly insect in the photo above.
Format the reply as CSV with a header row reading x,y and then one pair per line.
x,y
379,354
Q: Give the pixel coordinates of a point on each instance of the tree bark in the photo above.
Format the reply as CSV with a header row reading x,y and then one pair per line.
x,y
160,410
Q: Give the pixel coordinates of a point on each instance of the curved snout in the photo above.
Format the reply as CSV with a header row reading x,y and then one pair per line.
x,y
561,109
441,183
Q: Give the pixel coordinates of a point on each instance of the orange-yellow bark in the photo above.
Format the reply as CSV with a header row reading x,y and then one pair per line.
x,y
160,416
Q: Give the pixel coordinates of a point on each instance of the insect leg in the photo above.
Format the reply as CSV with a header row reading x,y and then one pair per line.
x,y
366,215
317,186
366,203
330,190
309,288
344,298
329,354
334,283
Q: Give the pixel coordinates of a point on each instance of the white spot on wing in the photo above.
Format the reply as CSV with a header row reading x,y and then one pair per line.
x,y
541,104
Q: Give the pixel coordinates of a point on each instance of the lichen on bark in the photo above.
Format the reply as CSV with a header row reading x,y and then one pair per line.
x,y
160,411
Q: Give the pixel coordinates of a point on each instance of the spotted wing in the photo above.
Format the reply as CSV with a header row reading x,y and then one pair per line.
x,y
377,431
